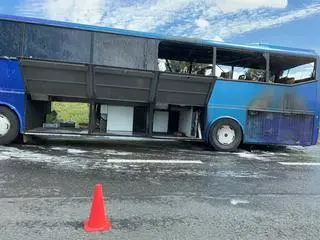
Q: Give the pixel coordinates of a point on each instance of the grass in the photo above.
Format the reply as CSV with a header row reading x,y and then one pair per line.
x,y
77,112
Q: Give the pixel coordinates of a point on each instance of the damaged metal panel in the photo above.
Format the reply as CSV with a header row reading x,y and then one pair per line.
x,y
279,128
122,84
55,79
52,43
103,49
77,46
36,112
290,102
183,89
285,115
283,98
151,54
124,51
11,35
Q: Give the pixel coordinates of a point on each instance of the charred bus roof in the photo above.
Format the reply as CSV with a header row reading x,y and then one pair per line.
x,y
251,47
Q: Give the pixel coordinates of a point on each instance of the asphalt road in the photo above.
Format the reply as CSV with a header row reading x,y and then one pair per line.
x,y
45,191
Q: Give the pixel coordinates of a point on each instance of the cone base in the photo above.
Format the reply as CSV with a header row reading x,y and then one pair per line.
x,y
105,227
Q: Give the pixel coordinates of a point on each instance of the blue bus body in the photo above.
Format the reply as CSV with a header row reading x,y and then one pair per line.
x,y
12,90
267,113
250,104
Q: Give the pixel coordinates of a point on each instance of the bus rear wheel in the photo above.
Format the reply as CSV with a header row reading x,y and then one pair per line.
x,y
8,126
225,135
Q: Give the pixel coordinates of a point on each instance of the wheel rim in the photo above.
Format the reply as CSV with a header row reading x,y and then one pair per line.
x,y
4,125
226,135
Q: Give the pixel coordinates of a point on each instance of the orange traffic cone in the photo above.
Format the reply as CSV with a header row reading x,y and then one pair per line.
x,y
97,220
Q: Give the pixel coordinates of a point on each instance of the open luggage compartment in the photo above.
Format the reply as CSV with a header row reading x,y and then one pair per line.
x,y
137,95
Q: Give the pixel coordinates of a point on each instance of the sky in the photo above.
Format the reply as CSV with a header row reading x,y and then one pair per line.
x,y
292,23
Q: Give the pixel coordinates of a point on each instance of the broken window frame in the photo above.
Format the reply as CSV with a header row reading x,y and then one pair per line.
x,y
313,77
265,56
188,55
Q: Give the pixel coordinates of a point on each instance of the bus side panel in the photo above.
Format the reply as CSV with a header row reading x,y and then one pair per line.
x,y
12,93
267,113
317,120
10,35
309,94
284,116
227,100
279,128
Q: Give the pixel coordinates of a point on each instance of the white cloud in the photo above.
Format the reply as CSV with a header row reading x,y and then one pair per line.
x,y
202,23
209,19
218,39
227,25
33,8
301,72
144,16
236,5
85,11
242,25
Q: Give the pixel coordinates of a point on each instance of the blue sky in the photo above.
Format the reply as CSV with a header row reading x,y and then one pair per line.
x,y
281,22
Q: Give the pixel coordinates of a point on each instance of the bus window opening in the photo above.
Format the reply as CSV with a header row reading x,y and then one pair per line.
x,y
291,70
185,58
241,65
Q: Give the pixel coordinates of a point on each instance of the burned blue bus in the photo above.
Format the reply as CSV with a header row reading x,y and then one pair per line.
x,y
148,85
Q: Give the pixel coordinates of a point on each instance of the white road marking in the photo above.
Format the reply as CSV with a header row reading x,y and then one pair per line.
x,y
116,160
300,163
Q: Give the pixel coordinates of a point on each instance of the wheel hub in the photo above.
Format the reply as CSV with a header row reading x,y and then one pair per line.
x,y
4,125
226,135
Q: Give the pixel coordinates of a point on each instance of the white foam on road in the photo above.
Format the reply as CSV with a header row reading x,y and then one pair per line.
x,y
58,148
79,151
114,152
116,160
4,158
283,154
249,155
238,201
242,174
70,161
300,163
69,150
76,151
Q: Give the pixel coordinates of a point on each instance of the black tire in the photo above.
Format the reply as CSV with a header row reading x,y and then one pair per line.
x,y
13,132
223,147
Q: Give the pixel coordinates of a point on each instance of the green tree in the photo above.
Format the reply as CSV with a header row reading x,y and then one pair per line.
x,y
255,74
185,67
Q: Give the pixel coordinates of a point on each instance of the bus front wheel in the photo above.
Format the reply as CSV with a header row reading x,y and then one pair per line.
x,y
8,126
225,135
